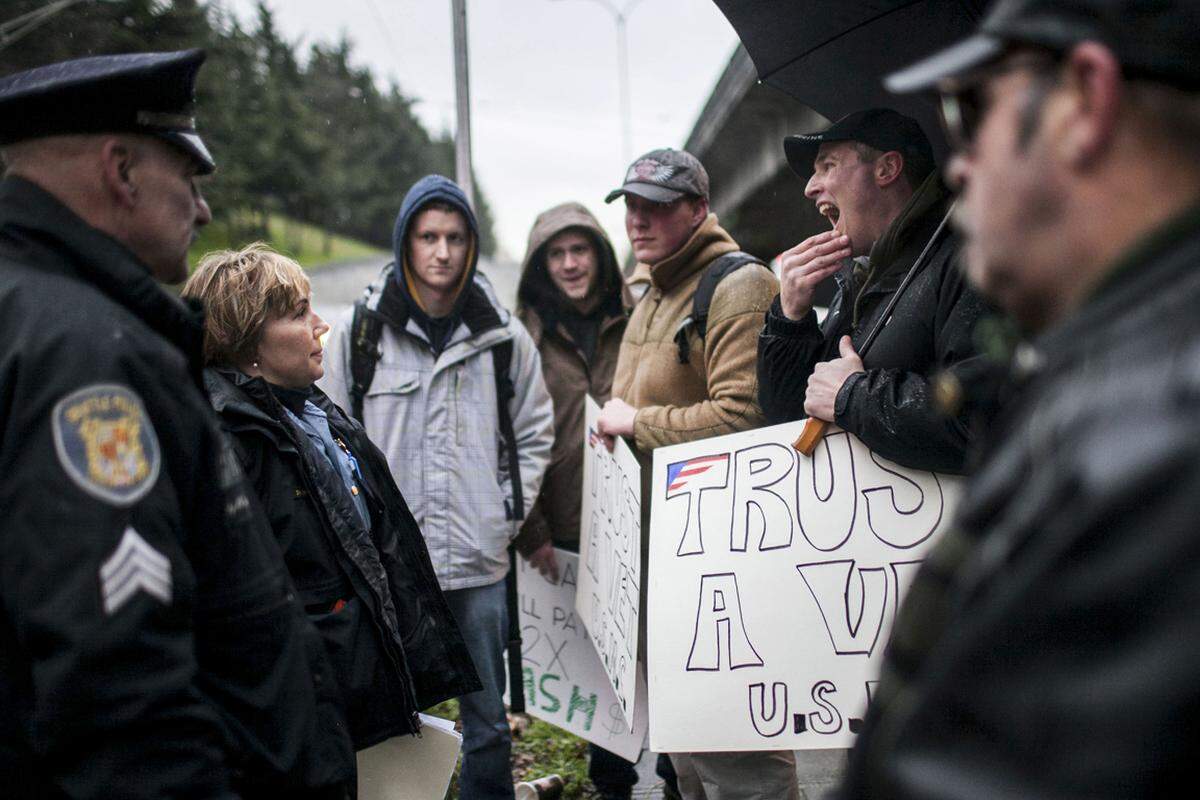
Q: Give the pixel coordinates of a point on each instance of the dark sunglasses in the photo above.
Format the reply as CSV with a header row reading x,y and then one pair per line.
x,y
964,107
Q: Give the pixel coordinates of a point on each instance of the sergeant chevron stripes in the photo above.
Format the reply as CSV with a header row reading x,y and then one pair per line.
x,y
134,565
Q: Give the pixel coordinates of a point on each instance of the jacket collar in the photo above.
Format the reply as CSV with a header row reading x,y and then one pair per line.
x,y
247,404
908,228
69,246
476,310
534,323
234,392
707,242
897,249
1162,262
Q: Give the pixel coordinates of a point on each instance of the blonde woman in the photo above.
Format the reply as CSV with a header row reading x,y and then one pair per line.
x,y
353,549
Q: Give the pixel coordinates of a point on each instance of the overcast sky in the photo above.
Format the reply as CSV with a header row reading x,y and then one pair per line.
x,y
545,120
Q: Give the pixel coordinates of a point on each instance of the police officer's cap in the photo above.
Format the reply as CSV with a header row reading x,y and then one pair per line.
x,y
149,93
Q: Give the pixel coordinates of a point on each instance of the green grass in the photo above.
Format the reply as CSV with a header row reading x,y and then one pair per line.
x,y
307,244
537,750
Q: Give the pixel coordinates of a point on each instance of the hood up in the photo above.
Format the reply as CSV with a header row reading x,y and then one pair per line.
x,y
537,293
432,188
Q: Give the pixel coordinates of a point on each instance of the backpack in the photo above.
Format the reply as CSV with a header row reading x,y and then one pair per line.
x,y
366,328
702,299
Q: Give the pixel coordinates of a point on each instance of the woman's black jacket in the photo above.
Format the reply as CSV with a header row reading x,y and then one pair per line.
x,y
375,599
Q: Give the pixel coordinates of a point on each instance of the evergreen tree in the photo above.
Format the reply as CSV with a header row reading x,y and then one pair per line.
x,y
318,142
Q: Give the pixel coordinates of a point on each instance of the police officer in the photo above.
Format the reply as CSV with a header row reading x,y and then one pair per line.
x,y
150,642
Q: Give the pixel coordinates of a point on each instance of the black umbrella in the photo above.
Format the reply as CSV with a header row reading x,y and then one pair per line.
x,y
831,55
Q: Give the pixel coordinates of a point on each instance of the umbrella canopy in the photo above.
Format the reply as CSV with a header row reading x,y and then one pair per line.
x,y
832,55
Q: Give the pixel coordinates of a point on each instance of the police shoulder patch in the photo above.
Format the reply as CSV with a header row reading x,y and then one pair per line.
x,y
106,444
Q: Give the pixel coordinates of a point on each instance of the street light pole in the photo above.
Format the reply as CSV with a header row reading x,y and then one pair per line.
x,y
620,17
462,98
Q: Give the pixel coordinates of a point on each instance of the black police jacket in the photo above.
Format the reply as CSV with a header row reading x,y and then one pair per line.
x,y
151,644
393,640
891,405
1048,646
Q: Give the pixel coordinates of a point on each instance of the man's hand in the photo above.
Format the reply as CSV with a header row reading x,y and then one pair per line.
x,y
544,561
805,266
827,379
616,419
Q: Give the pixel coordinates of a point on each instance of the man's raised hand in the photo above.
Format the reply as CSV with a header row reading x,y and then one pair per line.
x,y
807,264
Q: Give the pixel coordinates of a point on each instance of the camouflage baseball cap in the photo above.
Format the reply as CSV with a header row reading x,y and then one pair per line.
x,y
664,176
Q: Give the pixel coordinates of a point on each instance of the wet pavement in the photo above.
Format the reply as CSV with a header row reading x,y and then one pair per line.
x,y
817,771
335,287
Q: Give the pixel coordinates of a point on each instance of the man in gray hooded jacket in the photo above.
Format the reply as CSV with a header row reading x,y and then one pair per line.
x,y
432,408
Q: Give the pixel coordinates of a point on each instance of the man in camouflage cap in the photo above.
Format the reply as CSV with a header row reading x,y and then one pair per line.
x,y
671,387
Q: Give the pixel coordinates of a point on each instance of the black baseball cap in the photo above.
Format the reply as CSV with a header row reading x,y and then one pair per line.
x,y
664,176
1156,39
150,93
881,128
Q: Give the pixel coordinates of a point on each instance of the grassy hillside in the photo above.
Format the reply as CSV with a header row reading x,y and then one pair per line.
x,y
310,246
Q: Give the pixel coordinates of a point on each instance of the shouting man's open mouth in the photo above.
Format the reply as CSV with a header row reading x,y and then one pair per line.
x,y
830,212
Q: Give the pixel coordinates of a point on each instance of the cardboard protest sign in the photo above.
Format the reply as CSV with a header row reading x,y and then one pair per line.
x,y
773,586
610,550
565,683
410,767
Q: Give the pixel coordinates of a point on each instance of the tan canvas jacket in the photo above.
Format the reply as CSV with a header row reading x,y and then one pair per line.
x,y
716,391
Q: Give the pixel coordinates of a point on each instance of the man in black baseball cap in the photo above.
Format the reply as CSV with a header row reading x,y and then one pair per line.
x,y
151,643
1047,646
872,175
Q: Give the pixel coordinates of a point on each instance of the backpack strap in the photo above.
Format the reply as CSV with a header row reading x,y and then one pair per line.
x,y
366,327
717,269
505,392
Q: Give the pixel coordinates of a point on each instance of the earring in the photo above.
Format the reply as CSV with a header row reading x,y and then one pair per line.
x,y
254,364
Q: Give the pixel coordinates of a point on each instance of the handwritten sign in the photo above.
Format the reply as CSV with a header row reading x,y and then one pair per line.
x,y
773,586
611,555
565,683
410,767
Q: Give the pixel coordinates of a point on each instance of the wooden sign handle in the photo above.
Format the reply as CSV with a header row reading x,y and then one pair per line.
x,y
814,429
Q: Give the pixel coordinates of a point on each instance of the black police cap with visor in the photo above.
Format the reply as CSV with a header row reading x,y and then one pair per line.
x,y
147,93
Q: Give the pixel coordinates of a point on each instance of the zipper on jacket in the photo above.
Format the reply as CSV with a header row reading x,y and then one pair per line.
x,y
458,370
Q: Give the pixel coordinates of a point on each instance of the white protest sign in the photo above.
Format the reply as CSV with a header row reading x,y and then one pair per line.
x,y
410,767
565,683
611,554
774,582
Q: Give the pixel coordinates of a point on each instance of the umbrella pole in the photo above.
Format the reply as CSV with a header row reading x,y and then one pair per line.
x,y
814,429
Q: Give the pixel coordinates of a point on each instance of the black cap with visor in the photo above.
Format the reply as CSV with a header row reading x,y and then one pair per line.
x,y
881,128
147,93
1152,39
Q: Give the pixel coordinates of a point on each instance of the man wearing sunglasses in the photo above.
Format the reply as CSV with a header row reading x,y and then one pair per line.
x,y
1047,647
872,175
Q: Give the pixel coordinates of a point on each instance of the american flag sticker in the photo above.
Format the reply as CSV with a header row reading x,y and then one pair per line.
x,y
593,437
680,473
